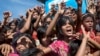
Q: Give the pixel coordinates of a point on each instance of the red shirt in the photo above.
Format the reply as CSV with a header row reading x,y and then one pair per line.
x,y
92,34
34,35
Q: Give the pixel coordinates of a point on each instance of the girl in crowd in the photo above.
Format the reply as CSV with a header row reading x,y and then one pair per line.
x,y
88,22
24,45
65,31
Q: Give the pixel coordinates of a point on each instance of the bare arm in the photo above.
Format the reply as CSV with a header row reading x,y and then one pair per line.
x,y
97,45
27,24
81,51
44,51
82,47
40,17
79,14
37,22
52,24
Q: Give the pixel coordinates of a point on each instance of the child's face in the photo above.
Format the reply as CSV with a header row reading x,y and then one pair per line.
x,y
68,12
74,16
88,23
35,15
13,26
23,43
9,32
67,29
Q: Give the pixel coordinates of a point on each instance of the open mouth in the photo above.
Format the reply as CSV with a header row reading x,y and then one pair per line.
x,y
69,31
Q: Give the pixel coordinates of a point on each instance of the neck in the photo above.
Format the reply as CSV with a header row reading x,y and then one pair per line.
x,y
66,39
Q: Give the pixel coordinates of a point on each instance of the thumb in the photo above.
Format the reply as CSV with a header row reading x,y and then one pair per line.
x,y
12,50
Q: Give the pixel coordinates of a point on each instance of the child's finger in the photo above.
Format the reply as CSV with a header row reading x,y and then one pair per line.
x,y
83,29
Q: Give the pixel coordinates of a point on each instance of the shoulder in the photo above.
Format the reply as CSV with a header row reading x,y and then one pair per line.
x,y
58,44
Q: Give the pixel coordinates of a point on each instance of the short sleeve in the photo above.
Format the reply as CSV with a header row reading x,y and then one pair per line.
x,y
54,46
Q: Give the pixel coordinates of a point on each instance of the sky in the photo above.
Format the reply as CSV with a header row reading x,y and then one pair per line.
x,y
17,7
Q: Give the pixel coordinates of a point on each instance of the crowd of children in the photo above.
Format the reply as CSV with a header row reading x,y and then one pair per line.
x,y
63,31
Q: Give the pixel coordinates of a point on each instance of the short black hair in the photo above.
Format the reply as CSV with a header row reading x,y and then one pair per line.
x,y
87,15
61,21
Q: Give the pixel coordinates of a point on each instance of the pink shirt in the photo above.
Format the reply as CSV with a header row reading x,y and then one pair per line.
x,y
13,54
60,47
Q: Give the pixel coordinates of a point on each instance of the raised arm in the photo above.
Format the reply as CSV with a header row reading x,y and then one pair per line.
x,y
94,43
27,24
91,8
39,17
79,14
52,24
82,48
50,13
37,22
6,20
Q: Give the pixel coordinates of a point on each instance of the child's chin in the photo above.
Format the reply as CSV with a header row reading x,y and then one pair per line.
x,y
70,34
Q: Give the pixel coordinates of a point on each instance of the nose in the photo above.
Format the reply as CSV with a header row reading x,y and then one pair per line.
x,y
68,25
91,23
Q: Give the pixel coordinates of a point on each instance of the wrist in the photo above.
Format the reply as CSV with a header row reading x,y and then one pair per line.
x,y
85,38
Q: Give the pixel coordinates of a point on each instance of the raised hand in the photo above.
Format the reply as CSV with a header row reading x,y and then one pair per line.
x,y
60,10
86,35
92,9
91,6
6,49
30,11
7,14
63,5
53,9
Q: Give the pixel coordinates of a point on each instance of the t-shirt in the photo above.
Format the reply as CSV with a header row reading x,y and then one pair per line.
x,y
60,47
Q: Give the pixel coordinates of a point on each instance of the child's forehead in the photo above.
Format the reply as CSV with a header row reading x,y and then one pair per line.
x,y
24,37
87,17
